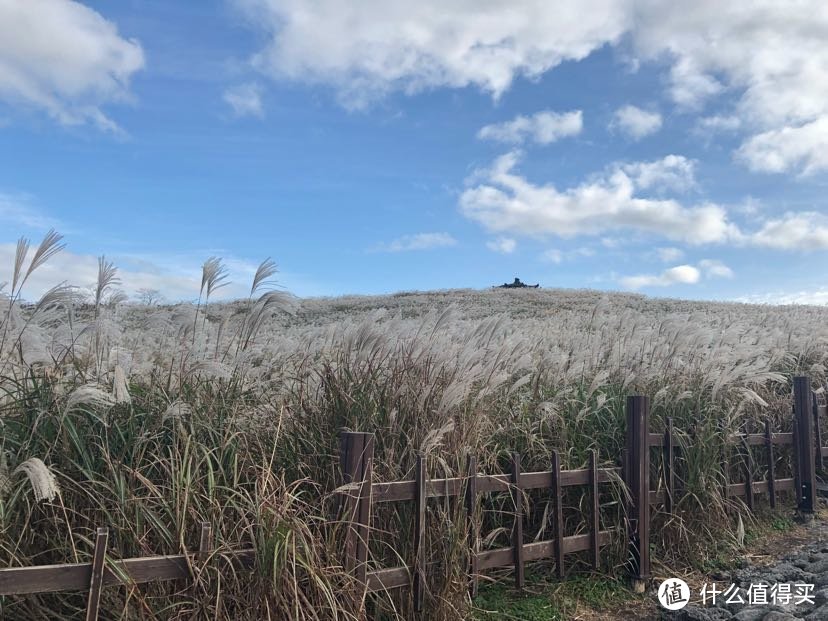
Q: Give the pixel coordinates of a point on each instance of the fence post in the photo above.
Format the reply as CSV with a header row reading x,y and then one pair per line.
x,y
419,532
669,470
471,513
771,464
517,527
96,583
356,460
638,483
806,457
820,464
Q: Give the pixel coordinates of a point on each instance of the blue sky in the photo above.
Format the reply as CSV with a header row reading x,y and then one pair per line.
x,y
382,146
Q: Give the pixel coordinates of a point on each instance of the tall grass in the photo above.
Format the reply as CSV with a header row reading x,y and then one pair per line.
x,y
149,420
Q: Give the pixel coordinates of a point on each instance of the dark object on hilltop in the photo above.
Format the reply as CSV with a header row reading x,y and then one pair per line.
x,y
517,285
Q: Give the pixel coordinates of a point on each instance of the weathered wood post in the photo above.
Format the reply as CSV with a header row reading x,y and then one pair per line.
x,y
669,468
517,526
471,515
806,456
420,473
93,603
356,461
818,412
638,483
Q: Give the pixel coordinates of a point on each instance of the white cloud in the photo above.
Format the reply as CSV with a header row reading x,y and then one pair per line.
x,y
17,209
245,99
673,172
803,148
719,123
420,241
63,58
503,245
793,231
681,274
714,268
668,255
543,128
369,48
504,202
772,55
636,122
553,255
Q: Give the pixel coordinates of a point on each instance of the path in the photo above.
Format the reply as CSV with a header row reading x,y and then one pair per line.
x,y
807,565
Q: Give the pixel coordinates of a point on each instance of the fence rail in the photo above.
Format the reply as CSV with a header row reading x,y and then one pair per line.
x,y
360,494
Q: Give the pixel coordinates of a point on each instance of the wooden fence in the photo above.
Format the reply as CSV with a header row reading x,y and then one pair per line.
x,y
361,493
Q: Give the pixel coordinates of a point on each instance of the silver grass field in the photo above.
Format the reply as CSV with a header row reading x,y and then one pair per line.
x,y
151,419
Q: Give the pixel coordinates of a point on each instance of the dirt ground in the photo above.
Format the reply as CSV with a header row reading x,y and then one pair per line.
x,y
766,550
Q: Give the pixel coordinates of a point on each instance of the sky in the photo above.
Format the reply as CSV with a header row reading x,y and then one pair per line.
x,y
383,145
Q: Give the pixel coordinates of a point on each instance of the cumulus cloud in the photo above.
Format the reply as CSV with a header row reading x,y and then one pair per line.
x,y
543,128
503,245
420,241
367,49
802,148
505,202
63,58
636,122
713,268
245,99
771,56
673,172
681,274
793,231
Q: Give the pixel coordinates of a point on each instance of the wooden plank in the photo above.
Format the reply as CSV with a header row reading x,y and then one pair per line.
x,y
655,439
783,438
93,603
771,465
785,485
77,576
517,526
504,557
823,450
557,492
419,534
395,491
595,521
471,517
387,579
